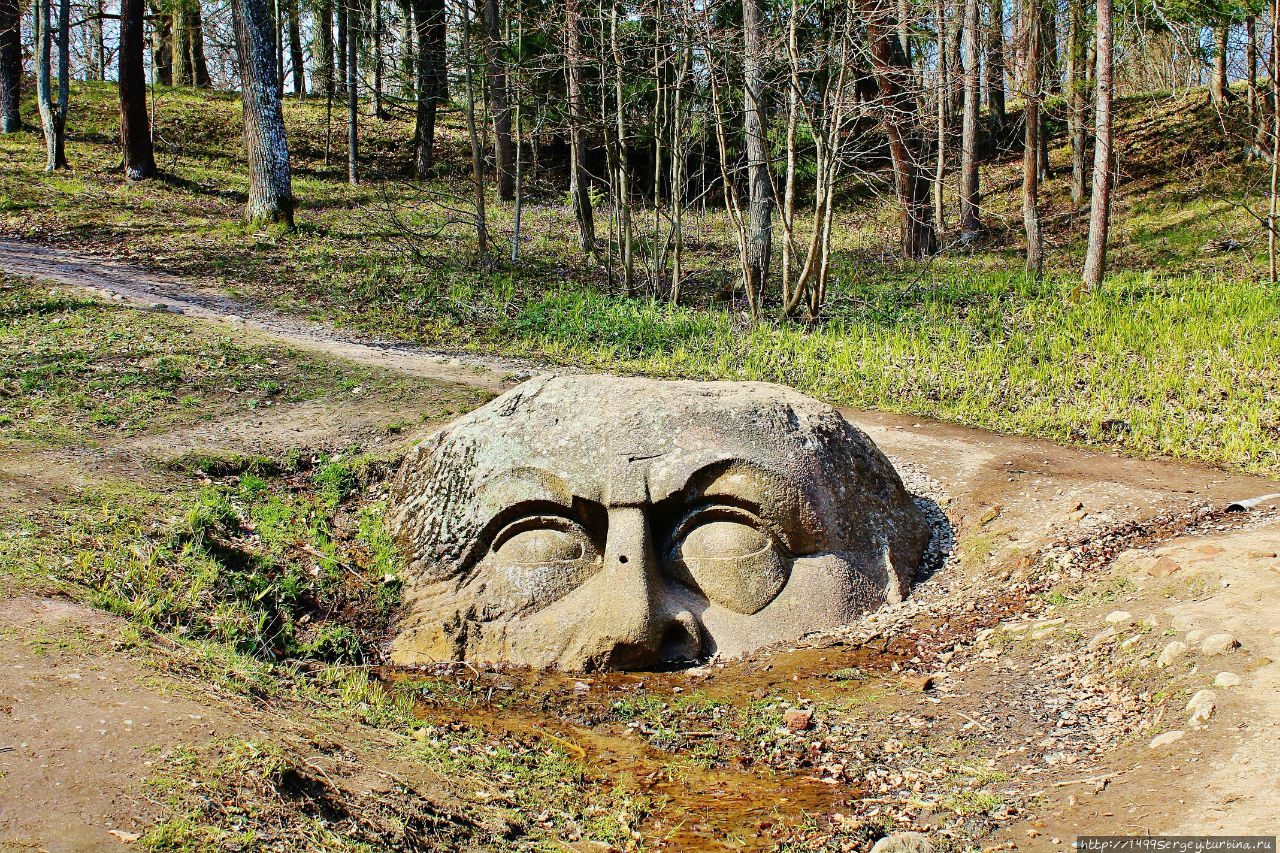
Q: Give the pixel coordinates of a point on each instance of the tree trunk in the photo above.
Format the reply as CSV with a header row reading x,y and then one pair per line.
x,y
135,131
940,118
1218,82
1251,60
906,141
477,152
1031,142
1078,100
195,39
1050,76
296,61
432,82
408,68
622,165
180,42
266,147
98,45
496,79
1095,263
322,47
375,48
53,113
353,90
161,45
578,190
970,194
10,66
995,67
756,128
340,82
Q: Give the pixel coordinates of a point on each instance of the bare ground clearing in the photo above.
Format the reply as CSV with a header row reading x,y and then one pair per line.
x,y
1071,573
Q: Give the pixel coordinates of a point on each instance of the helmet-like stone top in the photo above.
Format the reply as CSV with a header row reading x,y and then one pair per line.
x,y
595,522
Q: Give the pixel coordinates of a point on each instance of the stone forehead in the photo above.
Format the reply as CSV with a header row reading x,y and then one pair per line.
x,y
609,426
626,440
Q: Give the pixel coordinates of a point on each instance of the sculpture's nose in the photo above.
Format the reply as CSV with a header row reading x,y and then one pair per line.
x,y
637,623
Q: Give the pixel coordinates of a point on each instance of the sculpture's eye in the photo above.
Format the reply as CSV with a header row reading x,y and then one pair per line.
x,y
731,556
538,560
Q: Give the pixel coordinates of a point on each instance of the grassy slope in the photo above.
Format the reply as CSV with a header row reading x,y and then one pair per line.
x,y
1179,353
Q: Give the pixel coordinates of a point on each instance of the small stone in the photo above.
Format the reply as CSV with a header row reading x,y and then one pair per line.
x,y
904,842
1227,679
1162,567
1197,636
1171,653
1217,644
1102,638
1201,707
1119,617
1166,739
919,684
797,719
126,837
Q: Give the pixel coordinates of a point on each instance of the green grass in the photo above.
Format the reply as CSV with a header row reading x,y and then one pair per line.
x,y
1176,354
76,371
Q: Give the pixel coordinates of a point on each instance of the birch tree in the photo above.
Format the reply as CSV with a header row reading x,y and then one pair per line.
x,y
53,108
266,146
1095,263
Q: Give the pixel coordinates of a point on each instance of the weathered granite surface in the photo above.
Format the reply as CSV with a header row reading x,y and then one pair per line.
x,y
596,522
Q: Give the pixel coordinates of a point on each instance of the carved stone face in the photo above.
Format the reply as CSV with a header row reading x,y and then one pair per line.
x,y
598,522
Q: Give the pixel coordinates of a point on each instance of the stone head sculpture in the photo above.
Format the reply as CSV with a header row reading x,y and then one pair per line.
x,y
599,522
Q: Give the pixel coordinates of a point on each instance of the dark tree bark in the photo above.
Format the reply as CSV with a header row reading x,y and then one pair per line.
x,y
266,146
970,194
902,125
340,83
10,66
496,80
432,80
195,35
296,61
756,128
322,47
578,191
53,111
1095,263
135,129
995,66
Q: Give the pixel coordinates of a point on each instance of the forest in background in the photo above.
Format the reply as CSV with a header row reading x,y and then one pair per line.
x,y
435,183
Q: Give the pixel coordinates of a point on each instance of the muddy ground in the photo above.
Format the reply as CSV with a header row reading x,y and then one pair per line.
x,y
1034,687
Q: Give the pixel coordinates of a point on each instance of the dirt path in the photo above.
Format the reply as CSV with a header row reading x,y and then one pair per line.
x,y
160,292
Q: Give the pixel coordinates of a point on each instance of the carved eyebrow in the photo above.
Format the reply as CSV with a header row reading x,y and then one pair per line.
x,y
772,496
516,486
